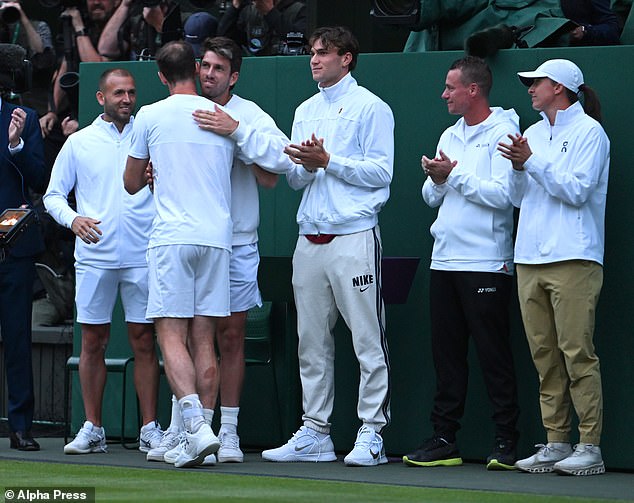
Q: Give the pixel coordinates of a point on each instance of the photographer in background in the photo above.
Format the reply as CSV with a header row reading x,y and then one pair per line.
x,y
139,28
86,33
261,26
35,37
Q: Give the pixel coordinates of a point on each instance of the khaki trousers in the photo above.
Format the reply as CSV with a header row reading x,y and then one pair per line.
x,y
558,303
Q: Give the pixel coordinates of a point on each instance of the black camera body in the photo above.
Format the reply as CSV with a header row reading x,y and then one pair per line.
x,y
9,15
294,45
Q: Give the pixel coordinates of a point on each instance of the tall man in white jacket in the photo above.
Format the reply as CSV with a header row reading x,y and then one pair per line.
x,y
471,266
560,184
112,229
343,147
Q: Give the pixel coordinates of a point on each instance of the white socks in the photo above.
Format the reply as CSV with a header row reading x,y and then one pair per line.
x,y
192,412
229,419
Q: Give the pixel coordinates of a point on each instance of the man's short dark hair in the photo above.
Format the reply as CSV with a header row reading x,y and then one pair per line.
x,y
474,70
176,61
119,72
225,48
339,37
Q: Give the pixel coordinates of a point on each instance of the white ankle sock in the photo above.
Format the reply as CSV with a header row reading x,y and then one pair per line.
x,y
229,419
192,412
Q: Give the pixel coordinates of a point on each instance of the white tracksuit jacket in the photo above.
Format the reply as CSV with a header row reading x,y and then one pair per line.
x,y
562,191
92,162
473,230
358,127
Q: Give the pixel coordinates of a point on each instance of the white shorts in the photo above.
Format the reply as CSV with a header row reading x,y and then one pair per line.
x,y
96,293
243,275
187,281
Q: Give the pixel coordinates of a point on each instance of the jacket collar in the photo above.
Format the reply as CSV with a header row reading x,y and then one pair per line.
x,y
567,116
497,113
339,90
111,129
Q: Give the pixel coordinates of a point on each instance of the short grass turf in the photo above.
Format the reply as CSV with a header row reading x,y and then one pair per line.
x,y
139,485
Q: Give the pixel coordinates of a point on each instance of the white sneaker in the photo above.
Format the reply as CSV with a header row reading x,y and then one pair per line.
x,y
585,460
368,449
544,460
197,446
150,436
210,460
171,455
89,439
303,446
229,451
169,440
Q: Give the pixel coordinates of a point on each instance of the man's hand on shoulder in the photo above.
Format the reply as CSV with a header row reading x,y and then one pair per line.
x,y
218,121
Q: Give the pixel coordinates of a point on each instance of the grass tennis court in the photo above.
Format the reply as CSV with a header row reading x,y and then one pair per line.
x,y
151,485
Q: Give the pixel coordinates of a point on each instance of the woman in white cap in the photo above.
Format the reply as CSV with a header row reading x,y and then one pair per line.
x,y
559,182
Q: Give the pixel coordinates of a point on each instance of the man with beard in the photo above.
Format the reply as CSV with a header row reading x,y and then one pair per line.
x,y
219,72
112,230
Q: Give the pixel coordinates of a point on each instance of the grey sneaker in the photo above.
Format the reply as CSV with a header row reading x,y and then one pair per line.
x,y
303,446
170,439
543,461
150,436
171,455
585,460
90,438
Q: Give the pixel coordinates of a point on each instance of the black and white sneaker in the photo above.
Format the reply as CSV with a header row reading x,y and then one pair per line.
x,y
503,456
435,451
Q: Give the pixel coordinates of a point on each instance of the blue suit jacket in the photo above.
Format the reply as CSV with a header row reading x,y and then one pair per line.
x,y
20,172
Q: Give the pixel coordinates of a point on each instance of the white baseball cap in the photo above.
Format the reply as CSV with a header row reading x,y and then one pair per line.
x,y
561,71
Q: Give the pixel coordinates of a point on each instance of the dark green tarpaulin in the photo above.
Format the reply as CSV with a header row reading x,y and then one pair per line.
x,y
445,24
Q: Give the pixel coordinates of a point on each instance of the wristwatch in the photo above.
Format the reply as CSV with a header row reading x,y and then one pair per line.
x,y
81,33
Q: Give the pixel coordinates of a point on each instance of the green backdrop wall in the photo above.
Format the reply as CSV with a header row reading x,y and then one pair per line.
x,y
411,84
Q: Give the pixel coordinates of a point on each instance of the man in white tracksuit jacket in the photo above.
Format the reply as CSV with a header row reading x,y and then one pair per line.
x,y
343,147
471,266
112,229
560,183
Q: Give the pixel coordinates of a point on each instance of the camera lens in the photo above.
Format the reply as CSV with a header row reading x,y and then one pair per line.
x,y
10,15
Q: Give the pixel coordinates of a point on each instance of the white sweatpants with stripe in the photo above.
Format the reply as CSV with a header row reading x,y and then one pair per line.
x,y
343,276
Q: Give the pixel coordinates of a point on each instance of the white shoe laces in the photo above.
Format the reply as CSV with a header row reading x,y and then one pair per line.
x,y
581,449
153,434
88,435
230,441
365,437
168,439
